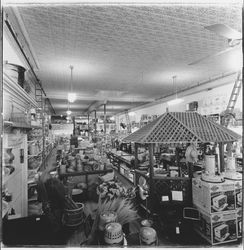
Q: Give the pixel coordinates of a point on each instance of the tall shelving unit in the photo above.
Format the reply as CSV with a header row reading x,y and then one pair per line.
x,y
17,104
16,100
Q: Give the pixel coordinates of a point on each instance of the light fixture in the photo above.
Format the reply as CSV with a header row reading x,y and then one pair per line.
x,y
176,100
71,97
112,118
71,94
68,112
131,113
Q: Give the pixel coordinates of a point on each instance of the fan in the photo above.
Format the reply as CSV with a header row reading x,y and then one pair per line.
x,y
191,154
234,39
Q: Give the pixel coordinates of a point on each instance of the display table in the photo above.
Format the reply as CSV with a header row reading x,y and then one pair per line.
x,y
64,176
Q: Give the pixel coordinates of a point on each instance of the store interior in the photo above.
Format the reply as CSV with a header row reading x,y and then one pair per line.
x,y
122,124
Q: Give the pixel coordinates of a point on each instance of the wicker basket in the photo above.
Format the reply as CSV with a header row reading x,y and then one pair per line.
x,y
74,217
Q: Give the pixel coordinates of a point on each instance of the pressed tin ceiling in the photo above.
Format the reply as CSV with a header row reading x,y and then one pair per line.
x,y
125,54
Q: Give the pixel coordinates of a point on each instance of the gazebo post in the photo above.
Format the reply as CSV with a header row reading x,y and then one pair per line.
x,y
221,157
136,155
177,158
151,168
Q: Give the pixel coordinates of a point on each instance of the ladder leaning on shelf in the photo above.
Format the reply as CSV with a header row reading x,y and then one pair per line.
x,y
225,116
128,122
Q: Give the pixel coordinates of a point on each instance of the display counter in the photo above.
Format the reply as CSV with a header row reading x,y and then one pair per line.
x,y
122,164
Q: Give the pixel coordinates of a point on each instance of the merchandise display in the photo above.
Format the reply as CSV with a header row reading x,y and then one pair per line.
x,y
99,148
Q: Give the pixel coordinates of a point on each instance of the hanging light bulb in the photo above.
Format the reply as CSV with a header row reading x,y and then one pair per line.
x,y
176,100
69,112
71,95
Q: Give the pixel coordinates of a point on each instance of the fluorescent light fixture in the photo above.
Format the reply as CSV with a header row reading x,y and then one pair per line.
x,y
71,97
68,112
175,101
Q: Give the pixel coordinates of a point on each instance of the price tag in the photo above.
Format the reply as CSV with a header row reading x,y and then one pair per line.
x,y
165,198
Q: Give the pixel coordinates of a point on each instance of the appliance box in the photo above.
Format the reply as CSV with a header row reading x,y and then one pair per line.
x,y
219,201
217,228
221,231
238,191
239,213
214,197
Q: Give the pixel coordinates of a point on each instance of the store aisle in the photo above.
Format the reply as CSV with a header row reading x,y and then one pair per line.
x,y
51,163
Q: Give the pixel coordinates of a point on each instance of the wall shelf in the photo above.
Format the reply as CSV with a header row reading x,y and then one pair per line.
x,y
9,177
19,125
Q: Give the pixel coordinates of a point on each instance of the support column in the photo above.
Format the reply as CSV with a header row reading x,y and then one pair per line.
x,y
136,155
95,112
104,119
221,157
73,119
88,126
151,163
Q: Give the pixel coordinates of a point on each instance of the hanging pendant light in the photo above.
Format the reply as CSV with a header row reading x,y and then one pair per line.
x,y
176,100
71,94
68,112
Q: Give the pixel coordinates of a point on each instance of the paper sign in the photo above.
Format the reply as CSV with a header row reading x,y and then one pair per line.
x,y
165,198
177,196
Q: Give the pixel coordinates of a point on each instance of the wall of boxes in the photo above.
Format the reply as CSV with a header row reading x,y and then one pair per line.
x,y
220,208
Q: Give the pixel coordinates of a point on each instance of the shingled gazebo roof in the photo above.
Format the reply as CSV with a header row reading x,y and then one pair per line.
x,y
182,127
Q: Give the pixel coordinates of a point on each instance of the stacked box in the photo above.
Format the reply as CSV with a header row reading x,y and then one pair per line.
x,y
214,197
217,228
238,193
239,214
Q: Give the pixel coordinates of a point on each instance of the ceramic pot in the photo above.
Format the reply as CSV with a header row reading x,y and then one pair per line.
x,y
8,156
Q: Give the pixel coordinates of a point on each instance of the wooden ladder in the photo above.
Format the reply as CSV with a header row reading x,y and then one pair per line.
x,y
232,101
128,122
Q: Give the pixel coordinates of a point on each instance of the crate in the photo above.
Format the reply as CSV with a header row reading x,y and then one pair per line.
x,y
214,197
217,228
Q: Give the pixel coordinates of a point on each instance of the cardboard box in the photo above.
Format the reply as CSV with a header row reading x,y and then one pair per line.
x,y
214,197
217,228
239,214
238,193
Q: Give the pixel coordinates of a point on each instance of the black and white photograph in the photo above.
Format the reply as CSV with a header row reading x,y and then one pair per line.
x,y
121,124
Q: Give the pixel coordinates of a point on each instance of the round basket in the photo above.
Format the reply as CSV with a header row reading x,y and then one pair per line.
x,y
105,218
148,236
113,234
74,217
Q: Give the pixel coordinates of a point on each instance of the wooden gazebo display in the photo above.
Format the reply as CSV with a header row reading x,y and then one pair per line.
x,y
177,128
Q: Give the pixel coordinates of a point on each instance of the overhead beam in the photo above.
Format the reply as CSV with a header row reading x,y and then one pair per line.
x,y
95,105
56,96
213,82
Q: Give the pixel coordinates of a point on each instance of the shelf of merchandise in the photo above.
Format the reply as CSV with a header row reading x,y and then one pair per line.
x,y
125,171
19,125
5,179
